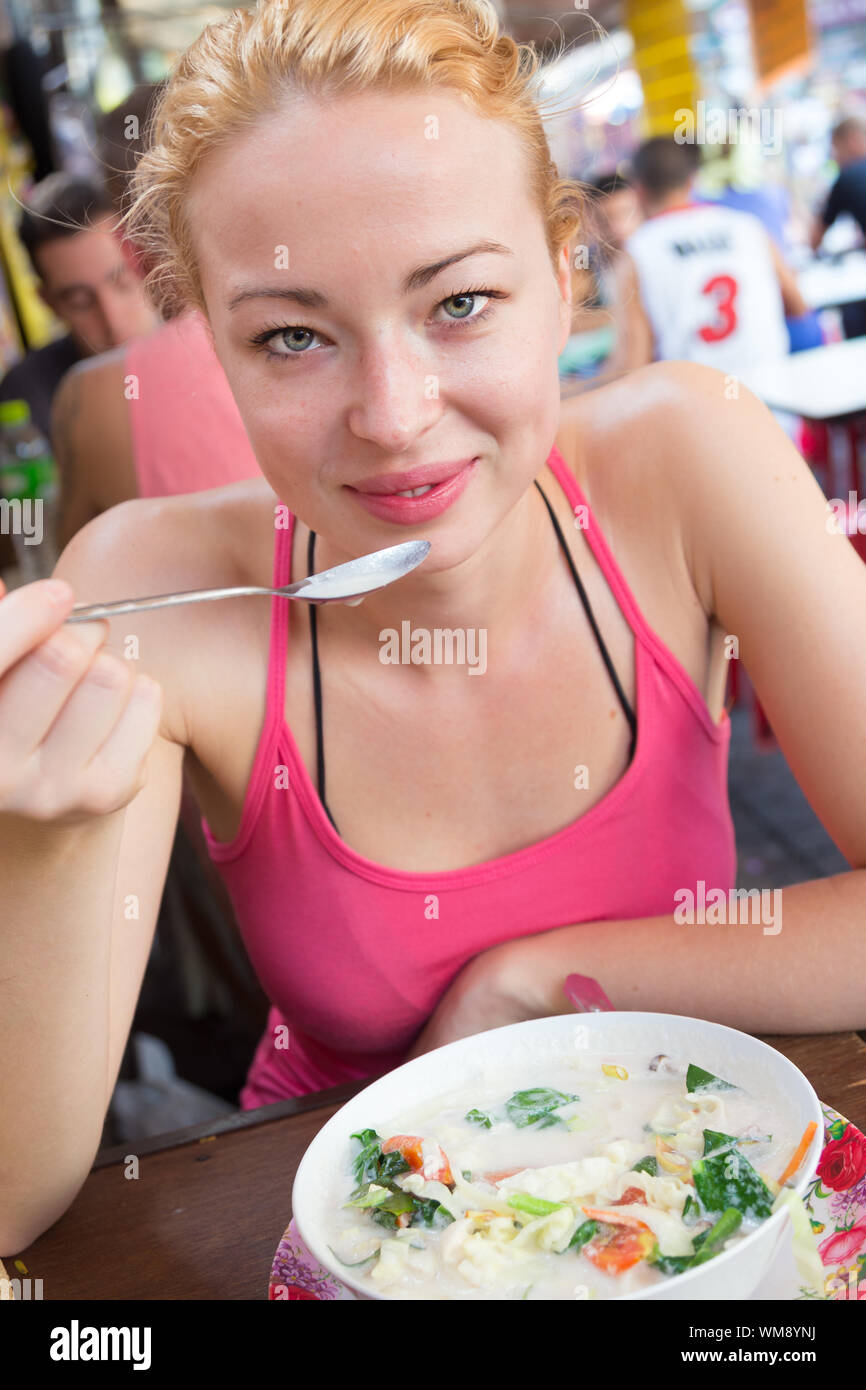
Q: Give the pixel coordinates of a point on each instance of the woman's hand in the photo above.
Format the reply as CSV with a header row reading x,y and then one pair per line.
x,y
485,994
76,724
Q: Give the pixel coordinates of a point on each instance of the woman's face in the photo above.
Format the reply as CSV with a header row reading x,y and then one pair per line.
x,y
323,213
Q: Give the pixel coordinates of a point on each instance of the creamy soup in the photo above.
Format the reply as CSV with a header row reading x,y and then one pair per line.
x,y
606,1174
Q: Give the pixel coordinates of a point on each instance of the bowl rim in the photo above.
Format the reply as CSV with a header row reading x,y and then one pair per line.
x,y
321,1252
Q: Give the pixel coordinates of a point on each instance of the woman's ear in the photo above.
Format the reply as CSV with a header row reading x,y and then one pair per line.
x,y
564,281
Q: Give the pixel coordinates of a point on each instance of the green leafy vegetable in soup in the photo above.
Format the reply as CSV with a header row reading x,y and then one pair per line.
x,y
370,1164
725,1178
699,1080
536,1107
477,1117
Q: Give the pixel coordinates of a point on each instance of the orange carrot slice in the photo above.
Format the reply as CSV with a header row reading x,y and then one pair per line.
x,y
799,1153
615,1218
501,1176
409,1145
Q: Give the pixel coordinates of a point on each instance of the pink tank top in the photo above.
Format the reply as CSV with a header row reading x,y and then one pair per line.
x,y
187,433
354,955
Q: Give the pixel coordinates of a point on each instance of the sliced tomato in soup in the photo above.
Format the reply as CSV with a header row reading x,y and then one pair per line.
x,y
434,1165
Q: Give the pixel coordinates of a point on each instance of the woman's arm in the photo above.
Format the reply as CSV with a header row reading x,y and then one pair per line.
x,y
806,975
767,564
84,849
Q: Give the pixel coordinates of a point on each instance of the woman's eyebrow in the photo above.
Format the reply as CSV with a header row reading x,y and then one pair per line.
x,y
415,280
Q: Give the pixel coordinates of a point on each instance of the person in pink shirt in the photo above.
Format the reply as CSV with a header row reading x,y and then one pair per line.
x,y
361,200
155,418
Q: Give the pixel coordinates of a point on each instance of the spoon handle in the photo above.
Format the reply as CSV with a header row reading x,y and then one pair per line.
x,y
82,613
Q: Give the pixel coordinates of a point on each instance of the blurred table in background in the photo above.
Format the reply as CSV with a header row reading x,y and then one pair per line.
x,y
828,283
825,383
826,386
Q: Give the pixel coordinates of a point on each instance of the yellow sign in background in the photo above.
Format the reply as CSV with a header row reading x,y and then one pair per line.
x,y
661,30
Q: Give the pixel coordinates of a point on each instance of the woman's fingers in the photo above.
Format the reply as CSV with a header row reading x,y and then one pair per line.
x,y
36,689
121,762
90,713
75,724
30,614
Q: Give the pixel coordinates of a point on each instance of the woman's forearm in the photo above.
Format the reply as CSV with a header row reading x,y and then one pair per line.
x,y
801,968
55,944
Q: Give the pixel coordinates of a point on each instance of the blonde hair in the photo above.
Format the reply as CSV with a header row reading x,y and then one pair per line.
x,y
248,64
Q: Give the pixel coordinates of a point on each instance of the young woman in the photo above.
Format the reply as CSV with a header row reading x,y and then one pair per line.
x,y
360,198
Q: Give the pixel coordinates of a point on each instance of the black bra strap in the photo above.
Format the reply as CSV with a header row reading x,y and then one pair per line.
x,y
629,712
317,686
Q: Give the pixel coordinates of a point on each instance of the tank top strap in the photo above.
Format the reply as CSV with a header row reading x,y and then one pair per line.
x,y
262,772
585,520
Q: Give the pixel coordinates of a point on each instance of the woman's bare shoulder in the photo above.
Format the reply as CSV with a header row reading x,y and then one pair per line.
x,y
187,541
160,545
641,440
639,449
638,428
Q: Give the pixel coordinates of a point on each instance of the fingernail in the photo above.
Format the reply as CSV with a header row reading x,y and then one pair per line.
x,y
58,591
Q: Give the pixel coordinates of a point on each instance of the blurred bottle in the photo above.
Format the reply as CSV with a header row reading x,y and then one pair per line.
x,y
28,477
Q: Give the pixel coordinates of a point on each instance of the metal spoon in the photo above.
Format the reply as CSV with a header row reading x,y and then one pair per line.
x,y
342,584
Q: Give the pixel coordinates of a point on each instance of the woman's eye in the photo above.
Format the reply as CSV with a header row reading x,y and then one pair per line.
x,y
295,338
289,337
465,296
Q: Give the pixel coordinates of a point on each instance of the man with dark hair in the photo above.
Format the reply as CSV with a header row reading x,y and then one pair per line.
x,y
85,277
664,165
848,194
612,214
615,209
696,281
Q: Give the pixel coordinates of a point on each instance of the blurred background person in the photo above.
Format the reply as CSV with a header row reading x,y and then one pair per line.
x,y
616,209
154,418
696,281
848,195
86,278
750,191
612,213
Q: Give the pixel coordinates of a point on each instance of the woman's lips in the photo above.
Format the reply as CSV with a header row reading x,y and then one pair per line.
x,y
412,511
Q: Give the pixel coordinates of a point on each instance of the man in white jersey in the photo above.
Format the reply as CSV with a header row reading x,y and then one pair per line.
x,y
698,281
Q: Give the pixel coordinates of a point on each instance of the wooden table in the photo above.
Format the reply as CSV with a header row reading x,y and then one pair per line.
x,y
204,1217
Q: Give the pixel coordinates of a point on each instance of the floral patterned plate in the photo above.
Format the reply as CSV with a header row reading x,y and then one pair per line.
x,y
835,1200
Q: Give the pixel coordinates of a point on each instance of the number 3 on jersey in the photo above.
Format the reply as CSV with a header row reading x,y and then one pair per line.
x,y
723,290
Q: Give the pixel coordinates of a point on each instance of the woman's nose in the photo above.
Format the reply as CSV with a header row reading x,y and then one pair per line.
x,y
397,397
